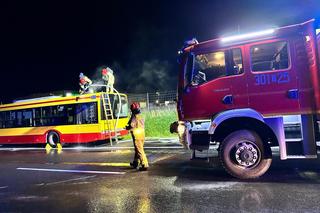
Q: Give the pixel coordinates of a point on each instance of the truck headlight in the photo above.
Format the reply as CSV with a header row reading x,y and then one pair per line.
x,y
181,128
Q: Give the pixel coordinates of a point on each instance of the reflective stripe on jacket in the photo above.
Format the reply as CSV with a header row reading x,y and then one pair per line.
x,y
137,125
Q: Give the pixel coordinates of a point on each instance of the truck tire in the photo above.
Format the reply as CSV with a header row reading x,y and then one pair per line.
x,y
244,156
53,139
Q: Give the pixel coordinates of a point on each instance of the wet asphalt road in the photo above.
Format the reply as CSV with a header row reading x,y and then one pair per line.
x,y
172,184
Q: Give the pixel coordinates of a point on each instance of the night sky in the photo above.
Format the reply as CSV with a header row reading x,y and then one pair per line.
x,y
44,45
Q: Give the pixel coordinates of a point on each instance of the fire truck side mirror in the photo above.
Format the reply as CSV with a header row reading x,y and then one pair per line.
x,y
180,56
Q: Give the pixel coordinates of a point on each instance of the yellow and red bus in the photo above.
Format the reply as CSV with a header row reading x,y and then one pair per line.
x,y
53,120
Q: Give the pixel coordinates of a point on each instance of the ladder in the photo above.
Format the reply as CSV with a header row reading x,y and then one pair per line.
x,y
110,122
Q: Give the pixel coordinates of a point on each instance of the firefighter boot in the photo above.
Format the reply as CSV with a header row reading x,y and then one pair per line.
x,y
143,168
134,164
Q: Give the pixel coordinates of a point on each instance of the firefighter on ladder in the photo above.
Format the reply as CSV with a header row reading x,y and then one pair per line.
x,y
108,77
84,83
136,127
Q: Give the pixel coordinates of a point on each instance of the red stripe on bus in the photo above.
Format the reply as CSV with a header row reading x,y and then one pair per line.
x,y
25,139
45,102
65,138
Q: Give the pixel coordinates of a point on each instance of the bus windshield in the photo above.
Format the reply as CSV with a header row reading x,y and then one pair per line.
x,y
116,108
123,109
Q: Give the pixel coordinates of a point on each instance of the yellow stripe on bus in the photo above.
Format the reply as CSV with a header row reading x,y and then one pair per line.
x,y
65,129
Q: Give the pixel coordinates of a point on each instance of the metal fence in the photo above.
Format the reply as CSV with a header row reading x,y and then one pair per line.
x,y
157,100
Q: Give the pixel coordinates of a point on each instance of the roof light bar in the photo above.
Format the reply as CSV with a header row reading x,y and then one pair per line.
x,y
248,35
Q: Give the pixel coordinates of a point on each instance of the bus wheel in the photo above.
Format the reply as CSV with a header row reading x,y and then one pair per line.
x,y
53,139
243,155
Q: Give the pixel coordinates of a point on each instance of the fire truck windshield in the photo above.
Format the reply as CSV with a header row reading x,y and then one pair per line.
x,y
202,68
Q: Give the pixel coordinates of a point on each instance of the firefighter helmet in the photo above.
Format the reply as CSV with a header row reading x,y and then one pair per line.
x,y
104,71
135,108
82,81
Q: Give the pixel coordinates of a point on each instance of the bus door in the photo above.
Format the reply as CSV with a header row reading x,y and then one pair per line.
x,y
272,84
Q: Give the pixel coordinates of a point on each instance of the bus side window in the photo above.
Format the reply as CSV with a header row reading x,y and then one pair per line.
x,y
27,118
1,120
10,118
87,113
19,121
37,117
44,116
56,118
70,112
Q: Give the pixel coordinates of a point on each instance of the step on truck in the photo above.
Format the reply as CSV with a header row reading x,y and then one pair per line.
x,y
251,92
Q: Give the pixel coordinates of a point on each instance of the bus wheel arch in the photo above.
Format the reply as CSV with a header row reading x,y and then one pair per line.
x,y
53,138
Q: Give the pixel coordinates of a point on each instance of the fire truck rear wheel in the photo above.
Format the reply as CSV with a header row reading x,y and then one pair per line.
x,y
243,155
53,139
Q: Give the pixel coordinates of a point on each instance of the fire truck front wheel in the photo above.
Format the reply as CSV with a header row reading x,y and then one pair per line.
x,y
243,154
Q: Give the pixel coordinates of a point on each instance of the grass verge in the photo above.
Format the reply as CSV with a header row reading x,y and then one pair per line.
x,y
157,122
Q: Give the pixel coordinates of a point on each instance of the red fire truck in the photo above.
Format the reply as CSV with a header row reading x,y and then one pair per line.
x,y
238,91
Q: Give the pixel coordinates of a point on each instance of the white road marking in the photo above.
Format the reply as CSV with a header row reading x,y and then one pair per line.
x,y
31,197
90,148
160,158
70,180
3,187
71,171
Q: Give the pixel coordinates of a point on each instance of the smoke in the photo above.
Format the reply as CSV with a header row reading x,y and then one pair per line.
x,y
146,76
154,76
143,65
148,62
96,78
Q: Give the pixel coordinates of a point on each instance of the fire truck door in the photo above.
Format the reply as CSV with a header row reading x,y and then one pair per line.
x,y
208,88
211,88
272,83
239,74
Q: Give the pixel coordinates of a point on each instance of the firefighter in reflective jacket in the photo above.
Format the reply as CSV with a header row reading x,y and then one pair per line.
x,y
84,83
108,77
136,127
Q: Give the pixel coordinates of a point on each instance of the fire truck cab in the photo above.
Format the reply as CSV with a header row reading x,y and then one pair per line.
x,y
245,91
